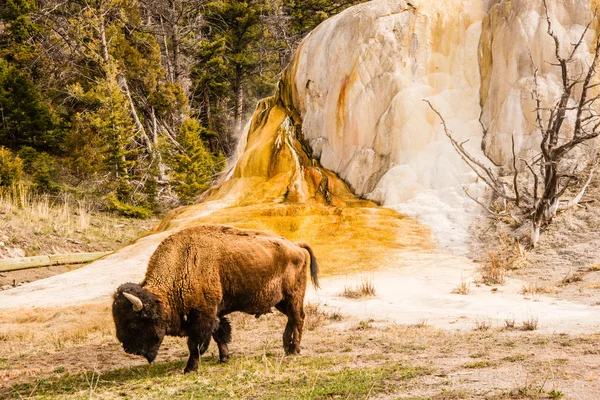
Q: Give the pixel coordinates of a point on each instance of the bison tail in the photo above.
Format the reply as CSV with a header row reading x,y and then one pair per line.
x,y
314,267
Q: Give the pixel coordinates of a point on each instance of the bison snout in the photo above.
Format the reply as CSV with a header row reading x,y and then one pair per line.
x,y
151,356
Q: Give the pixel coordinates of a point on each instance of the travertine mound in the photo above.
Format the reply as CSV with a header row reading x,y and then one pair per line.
x,y
351,105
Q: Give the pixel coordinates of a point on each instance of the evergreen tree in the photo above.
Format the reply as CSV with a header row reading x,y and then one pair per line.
x,y
25,119
194,167
306,15
238,25
106,84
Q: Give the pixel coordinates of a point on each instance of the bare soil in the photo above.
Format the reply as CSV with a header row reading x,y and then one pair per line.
x,y
15,278
492,364
536,336
567,259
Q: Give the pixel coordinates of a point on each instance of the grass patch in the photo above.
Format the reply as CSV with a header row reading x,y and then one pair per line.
x,y
258,377
509,324
493,270
508,255
530,324
482,326
479,364
42,224
533,290
316,316
571,278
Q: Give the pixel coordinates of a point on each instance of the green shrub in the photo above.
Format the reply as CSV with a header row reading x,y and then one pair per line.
x,y
44,172
41,167
114,204
28,155
11,168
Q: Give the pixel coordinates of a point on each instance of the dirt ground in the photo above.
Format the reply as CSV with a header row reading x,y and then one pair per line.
x,y
434,329
494,363
566,263
14,278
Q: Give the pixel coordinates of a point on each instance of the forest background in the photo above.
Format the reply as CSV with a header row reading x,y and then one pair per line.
x,y
137,104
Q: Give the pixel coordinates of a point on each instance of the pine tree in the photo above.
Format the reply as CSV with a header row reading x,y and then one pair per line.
x,y
238,24
25,119
194,167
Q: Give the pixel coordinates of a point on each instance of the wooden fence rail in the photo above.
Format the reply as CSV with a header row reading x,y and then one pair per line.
x,y
15,264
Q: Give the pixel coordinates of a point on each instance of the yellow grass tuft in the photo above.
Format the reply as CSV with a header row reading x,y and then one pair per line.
x,y
463,288
533,290
365,288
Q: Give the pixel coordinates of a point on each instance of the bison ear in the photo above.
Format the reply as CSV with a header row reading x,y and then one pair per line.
x,y
135,301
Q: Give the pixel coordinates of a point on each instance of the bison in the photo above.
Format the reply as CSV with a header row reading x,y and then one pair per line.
x,y
199,275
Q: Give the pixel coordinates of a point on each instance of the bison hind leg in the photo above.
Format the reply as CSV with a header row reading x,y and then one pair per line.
x,y
292,335
222,336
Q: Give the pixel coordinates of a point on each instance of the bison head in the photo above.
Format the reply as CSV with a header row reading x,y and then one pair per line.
x,y
140,320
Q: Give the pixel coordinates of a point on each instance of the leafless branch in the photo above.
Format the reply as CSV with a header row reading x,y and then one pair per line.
x,y
483,172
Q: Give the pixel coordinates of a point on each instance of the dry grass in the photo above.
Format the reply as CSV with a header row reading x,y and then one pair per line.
x,y
507,255
530,324
365,288
571,278
533,290
40,224
483,325
463,288
509,324
53,329
493,270
317,317
421,324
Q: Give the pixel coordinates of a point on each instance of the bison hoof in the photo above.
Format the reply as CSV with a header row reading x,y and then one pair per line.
x,y
292,352
190,368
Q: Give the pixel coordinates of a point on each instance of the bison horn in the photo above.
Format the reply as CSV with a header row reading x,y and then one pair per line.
x,y
135,301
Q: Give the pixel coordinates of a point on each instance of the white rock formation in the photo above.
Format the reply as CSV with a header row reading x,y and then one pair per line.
x,y
359,80
515,33
357,87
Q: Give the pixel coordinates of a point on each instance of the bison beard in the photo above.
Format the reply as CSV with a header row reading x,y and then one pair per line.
x,y
199,275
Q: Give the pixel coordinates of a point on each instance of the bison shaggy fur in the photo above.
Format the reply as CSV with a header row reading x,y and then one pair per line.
x,y
199,275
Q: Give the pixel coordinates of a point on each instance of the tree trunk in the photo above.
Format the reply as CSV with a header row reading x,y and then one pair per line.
x,y
122,82
548,204
209,119
239,102
175,40
103,43
162,176
167,56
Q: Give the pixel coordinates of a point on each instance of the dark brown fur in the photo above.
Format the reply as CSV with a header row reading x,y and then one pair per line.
x,y
199,275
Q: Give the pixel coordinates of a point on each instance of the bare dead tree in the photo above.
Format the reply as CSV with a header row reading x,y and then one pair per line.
x,y
555,170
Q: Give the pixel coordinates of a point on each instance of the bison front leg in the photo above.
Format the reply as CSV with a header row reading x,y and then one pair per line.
x,y
199,334
197,345
192,364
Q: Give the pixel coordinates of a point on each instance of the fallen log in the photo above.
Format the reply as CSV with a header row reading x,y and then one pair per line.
x,y
16,264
